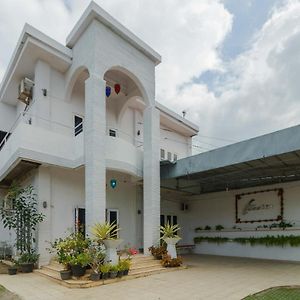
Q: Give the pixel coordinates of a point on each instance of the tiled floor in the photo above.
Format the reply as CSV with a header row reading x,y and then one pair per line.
x,y
209,277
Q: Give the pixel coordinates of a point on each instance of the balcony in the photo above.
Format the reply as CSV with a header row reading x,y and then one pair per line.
x,y
41,141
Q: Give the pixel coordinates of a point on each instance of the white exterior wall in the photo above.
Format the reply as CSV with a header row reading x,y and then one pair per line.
x,y
174,142
219,208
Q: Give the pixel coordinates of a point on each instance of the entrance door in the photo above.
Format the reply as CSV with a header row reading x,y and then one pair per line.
x,y
80,220
113,216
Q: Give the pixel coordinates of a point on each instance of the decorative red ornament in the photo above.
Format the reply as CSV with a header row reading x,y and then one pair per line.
x,y
117,88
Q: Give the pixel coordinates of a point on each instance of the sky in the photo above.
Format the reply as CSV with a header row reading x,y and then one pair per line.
x,y
232,65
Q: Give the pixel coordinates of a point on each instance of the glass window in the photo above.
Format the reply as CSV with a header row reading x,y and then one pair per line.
x,y
175,157
169,156
112,133
162,154
78,125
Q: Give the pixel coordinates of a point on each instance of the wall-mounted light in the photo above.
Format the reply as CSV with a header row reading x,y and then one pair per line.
x,y
45,204
113,183
44,92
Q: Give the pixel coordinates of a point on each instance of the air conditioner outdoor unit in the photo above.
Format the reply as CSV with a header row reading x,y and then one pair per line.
x,y
7,203
25,90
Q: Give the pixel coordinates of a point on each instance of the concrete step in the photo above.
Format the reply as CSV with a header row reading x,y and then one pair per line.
x,y
147,271
53,267
145,266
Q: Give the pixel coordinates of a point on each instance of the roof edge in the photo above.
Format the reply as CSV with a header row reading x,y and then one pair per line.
x,y
94,11
27,32
176,116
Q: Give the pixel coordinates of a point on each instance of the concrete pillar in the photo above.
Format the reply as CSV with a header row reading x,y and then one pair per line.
x,y
40,111
94,143
151,177
43,188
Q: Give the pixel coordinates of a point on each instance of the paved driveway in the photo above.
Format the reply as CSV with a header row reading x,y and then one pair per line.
x,y
208,277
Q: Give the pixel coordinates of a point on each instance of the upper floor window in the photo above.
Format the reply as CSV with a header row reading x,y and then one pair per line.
x,y
175,157
78,125
162,154
169,156
112,132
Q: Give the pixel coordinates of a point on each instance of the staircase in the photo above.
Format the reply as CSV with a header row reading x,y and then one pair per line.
x,y
141,266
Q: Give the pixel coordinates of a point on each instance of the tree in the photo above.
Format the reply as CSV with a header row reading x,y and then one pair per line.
x,y
23,216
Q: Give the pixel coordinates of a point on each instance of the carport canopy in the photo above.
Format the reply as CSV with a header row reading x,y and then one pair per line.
x,y
267,159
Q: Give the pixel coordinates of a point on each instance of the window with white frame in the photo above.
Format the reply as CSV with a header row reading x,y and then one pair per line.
x,y
169,156
162,154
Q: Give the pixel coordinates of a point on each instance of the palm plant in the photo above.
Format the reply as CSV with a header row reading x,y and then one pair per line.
x,y
105,231
169,231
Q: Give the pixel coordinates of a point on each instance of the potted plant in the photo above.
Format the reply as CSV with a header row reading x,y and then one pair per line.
x,y
97,256
104,269
107,234
79,262
113,271
72,251
158,252
27,261
125,263
169,235
12,270
169,262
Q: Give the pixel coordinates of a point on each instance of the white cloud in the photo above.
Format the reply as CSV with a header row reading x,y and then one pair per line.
x,y
186,33
262,91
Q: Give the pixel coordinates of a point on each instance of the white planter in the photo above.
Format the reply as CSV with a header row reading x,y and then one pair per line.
x,y
111,250
171,248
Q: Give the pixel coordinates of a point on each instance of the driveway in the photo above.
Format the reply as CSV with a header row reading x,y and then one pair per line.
x,y
208,277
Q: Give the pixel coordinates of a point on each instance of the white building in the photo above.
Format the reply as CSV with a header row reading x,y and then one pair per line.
x,y
72,139
91,138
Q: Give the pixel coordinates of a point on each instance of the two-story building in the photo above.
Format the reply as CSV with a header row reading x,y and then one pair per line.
x,y
89,135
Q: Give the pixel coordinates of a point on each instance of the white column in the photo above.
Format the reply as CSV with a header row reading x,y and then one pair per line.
x,y
94,147
151,177
43,188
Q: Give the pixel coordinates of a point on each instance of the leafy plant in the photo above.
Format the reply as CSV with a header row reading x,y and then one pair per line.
x,y
68,248
27,258
198,229
219,227
158,252
169,262
105,231
97,256
218,239
169,231
207,227
82,259
124,264
113,268
268,241
23,218
105,268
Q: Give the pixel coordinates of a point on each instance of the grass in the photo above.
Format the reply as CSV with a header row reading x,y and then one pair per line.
x,y
278,293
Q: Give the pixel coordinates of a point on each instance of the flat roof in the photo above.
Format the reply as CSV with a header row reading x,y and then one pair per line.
x,y
94,11
267,159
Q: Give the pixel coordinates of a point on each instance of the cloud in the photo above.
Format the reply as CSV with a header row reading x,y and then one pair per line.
x,y
260,92
186,33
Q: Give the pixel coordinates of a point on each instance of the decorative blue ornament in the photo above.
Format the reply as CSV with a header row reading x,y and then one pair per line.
x,y
113,183
108,91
